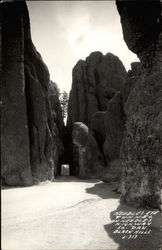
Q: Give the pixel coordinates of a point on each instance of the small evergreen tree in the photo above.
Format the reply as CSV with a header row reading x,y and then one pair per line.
x,y
64,103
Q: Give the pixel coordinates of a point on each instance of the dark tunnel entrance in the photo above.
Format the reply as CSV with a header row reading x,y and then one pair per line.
x,y
67,158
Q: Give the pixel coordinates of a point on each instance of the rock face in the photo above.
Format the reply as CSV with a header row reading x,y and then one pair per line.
x,y
30,136
131,79
98,128
96,82
114,122
57,125
142,145
88,158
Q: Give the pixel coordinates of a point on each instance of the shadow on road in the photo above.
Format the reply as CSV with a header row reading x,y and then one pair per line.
x,y
103,190
143,241
75,179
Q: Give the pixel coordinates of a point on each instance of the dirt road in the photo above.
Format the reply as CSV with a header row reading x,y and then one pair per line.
x,y
67,214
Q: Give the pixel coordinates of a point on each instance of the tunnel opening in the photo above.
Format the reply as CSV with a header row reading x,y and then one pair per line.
x,y
67,157
65,170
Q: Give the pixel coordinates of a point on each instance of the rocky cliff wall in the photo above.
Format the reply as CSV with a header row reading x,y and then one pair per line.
x,y
31,140
96,101
142,144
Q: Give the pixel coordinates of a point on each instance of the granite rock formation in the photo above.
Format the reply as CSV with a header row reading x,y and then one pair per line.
x,y
142,145
89,161
57,126
114,123
131,79
96,81
30,136
98,128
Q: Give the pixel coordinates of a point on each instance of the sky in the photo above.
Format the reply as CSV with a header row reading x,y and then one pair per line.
x,y
67,31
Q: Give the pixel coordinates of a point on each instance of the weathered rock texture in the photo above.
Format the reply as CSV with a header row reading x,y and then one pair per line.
x,y
131,79
142,145
97,84
30,136
114,123
98,128
114,126
57,125
95,81
88,159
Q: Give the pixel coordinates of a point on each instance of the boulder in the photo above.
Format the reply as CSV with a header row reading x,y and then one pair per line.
x,y
86,154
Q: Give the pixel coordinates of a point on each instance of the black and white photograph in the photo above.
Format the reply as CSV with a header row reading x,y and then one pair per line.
x,y
81,124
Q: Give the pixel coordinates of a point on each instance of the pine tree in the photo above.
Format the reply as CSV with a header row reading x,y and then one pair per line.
x,y
64,103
